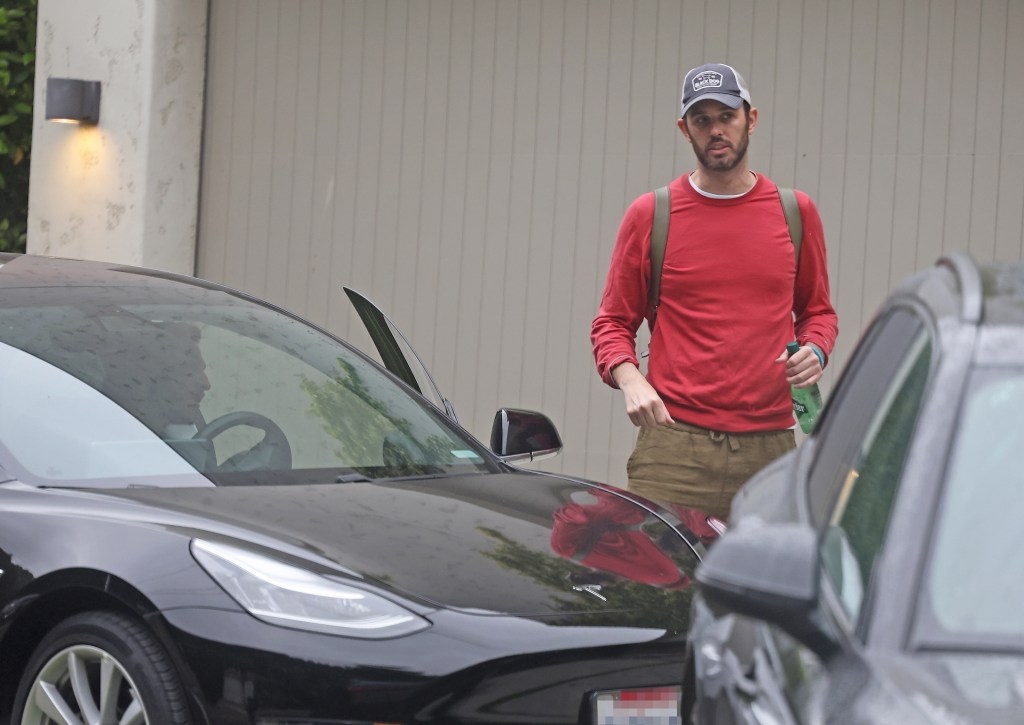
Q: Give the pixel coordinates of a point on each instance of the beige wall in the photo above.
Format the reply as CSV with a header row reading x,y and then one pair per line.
x,y
465,163
127,189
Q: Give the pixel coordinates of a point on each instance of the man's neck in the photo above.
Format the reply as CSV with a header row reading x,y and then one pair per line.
x,y
734,181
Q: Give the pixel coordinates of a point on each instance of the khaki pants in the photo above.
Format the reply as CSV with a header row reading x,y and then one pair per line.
x,y
692,466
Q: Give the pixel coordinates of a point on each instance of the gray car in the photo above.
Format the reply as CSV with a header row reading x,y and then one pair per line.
x,y
876,574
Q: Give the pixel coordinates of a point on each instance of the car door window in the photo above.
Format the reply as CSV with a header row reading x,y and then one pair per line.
x,y
854,405
396,353
871,475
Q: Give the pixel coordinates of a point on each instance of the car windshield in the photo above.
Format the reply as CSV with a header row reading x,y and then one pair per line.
x,y
191,385
974,585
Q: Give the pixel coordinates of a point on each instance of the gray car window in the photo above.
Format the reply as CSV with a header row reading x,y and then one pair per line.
x,y
852,410
859,519
868,471
974,592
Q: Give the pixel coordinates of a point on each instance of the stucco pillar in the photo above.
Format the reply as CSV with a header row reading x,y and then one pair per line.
x,y
125,190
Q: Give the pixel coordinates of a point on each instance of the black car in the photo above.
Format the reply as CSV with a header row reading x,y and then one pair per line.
x,y
876,574
212,511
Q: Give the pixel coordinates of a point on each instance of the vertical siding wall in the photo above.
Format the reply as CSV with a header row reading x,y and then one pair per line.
x,y
465,163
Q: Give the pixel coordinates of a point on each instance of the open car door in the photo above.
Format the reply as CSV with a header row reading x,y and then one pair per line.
x,y
397,355
516,435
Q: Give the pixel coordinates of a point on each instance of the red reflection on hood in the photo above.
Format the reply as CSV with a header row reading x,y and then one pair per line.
x,y
699,523
608,536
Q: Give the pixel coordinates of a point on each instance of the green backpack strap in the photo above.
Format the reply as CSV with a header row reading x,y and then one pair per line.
x,y
795,222
659,236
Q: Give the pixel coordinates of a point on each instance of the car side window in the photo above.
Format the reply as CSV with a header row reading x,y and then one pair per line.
x,y
860,515
854,406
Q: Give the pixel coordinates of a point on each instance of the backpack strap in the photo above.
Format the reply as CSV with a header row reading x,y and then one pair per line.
x,y
795,222
659,236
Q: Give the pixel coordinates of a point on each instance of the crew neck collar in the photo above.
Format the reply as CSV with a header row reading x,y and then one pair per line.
x,y
709,195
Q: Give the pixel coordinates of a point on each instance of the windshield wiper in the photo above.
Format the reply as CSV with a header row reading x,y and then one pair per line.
x,y
404,473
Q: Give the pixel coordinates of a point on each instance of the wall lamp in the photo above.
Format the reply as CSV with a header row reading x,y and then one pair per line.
x,y
70,100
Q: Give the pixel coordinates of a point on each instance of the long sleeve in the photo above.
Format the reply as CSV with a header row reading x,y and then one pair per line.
x,y
816,321
624,301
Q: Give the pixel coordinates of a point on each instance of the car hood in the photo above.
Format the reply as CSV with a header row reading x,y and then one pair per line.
x,y
510,543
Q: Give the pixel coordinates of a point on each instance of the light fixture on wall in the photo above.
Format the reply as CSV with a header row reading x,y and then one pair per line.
x,y
70,100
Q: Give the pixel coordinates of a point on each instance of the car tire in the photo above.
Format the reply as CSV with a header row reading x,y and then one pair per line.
x,y
140,678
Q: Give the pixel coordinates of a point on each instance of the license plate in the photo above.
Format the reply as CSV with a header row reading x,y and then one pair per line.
x,y
651,706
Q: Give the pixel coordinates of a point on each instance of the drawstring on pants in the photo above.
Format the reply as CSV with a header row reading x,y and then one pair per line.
x,y
718,437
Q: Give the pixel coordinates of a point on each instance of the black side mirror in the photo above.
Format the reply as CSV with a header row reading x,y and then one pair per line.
x,y
771,573
523,435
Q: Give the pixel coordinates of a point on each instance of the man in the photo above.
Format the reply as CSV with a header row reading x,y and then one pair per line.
x,y
167,358
715,406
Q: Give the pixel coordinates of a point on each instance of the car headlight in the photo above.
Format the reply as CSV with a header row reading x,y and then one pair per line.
x,y
289,596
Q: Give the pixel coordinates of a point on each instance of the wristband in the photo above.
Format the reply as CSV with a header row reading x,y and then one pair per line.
x,y
819,353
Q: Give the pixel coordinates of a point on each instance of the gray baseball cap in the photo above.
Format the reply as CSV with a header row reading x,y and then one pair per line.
x,y
714,81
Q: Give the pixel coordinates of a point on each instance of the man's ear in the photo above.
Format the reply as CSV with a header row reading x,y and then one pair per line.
x,y
683,127
752,120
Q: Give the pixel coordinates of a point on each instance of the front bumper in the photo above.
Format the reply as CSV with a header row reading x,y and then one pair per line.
x,y
464,670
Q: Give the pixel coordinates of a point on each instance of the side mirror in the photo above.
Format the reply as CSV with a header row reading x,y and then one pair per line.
x,y
523,435
770,573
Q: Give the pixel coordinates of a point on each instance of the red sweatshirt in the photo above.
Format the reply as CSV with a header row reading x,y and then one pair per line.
x,y
728,301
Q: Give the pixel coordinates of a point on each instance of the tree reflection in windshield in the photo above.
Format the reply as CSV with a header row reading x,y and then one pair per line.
x,y
373,435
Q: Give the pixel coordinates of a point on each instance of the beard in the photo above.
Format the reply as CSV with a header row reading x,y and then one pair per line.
x,y
726,163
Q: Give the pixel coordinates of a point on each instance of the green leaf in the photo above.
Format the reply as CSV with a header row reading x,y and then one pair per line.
x,y
17,76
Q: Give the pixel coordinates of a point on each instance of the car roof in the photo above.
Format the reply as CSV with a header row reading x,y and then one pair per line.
x,y
28,270
1003,287
959,289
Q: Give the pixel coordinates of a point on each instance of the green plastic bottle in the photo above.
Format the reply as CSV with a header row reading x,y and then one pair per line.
x,y
806,401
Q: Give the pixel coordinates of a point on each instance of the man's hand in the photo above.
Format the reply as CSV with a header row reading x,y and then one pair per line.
x,y
643,404
803,369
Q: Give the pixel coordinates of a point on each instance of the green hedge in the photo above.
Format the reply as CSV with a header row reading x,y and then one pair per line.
x,y
17,76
